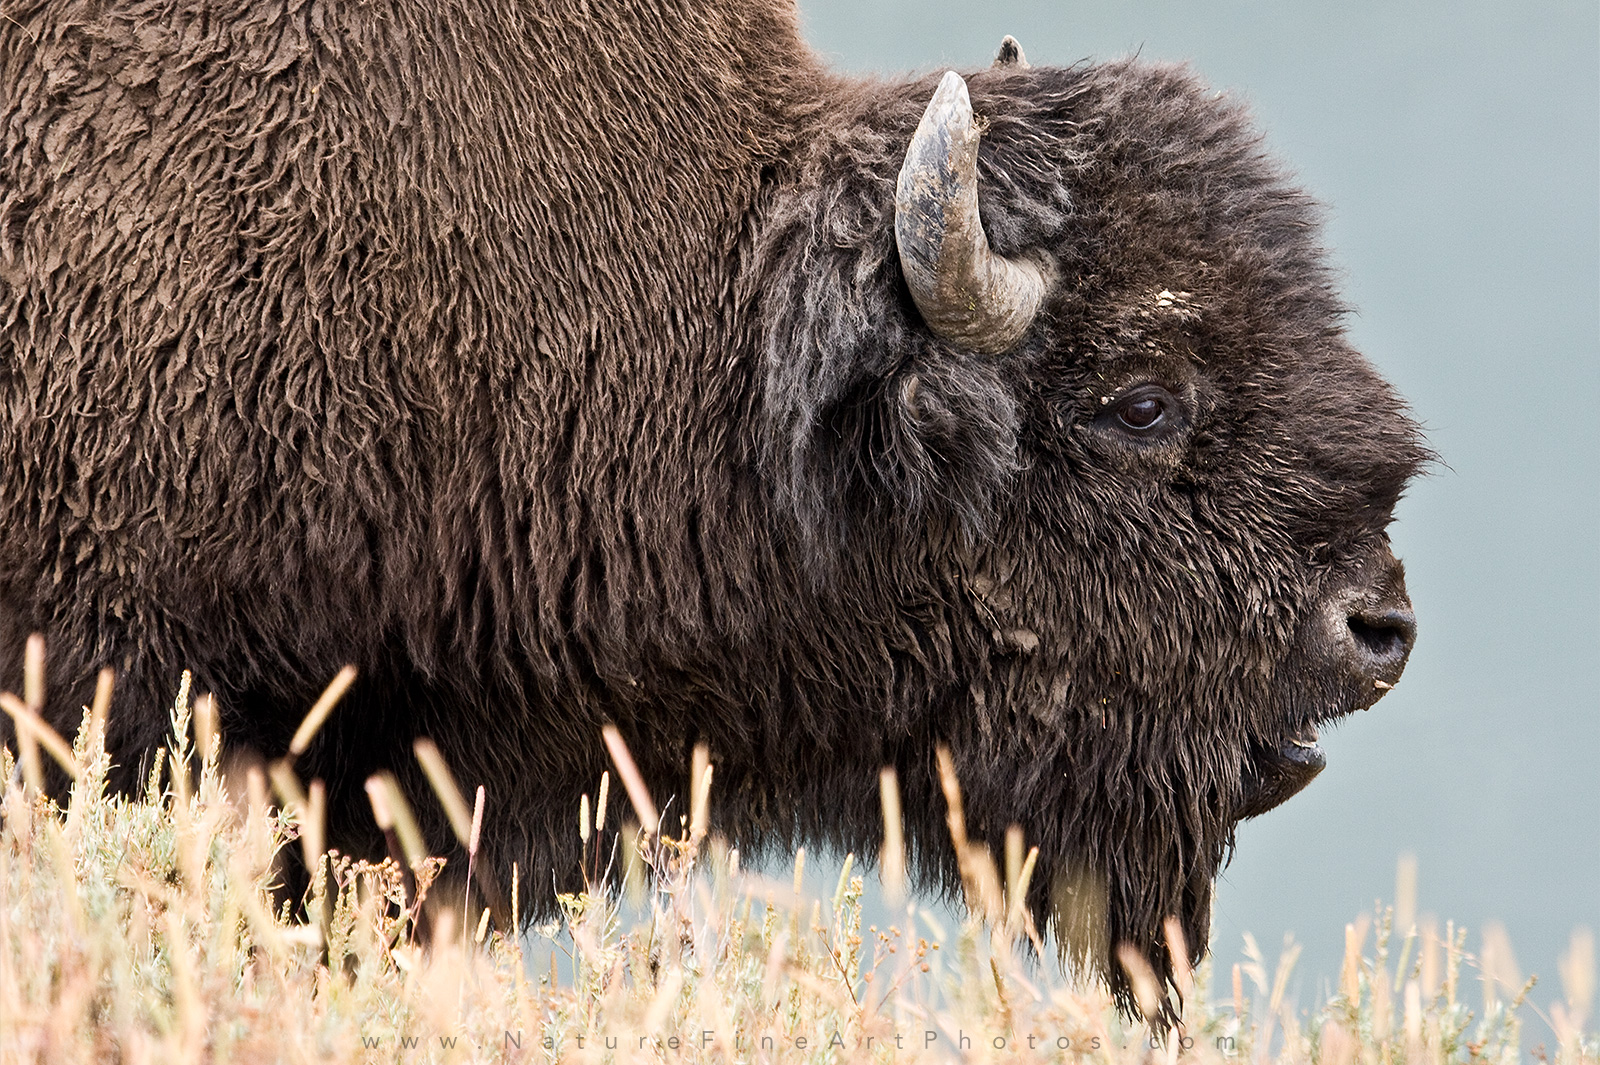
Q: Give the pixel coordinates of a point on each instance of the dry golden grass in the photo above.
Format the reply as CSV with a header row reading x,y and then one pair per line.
x,y
143,930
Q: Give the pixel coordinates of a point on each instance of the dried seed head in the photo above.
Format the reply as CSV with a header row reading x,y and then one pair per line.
x,y
291,793
33,672
389,805
205,726
1143,978
1430,958
445,787
1577,969
1178,949
1405,894
700,807
951,786
1413,1016
378,796
312,821
892,864
318,714
1500,970
632,779
100,710
1350,972
477,821
32,729
1014,849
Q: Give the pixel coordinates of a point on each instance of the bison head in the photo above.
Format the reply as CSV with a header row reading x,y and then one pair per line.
x,y
1067,361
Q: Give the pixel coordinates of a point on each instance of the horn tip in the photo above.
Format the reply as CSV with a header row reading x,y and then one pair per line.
x,y
952,90
949,110
1011,54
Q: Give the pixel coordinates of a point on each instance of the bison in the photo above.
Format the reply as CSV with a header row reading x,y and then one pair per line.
x,y
564,364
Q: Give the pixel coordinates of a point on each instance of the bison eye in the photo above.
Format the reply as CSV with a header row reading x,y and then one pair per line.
x,y
1141,413
1146,412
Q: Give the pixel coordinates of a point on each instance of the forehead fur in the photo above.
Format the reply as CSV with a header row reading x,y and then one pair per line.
x,y
1168,190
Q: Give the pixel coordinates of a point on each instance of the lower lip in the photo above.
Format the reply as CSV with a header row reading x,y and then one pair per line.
x,y
1304,752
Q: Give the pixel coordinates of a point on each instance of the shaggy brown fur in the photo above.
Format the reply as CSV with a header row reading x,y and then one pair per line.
x,y
556,368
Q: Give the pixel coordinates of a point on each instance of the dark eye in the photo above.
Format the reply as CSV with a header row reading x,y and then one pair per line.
x,y
1141,413
1146,412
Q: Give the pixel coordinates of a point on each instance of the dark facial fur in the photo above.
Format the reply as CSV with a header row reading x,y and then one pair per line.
x,y
557,369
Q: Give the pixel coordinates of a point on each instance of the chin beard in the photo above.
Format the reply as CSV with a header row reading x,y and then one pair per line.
x,y
1093,911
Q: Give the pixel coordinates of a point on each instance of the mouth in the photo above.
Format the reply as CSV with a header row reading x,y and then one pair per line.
x,y
1278,771
1280,767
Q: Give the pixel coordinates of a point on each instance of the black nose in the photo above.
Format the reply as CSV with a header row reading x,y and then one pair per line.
x,y
1384,637
1369,628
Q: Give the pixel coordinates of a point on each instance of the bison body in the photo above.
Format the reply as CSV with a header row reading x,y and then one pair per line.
x,y
560,365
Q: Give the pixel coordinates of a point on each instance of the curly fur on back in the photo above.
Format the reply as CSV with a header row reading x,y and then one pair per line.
x,y
556,368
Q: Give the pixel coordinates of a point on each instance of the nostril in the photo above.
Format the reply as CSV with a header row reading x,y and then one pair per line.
x,y
1386,635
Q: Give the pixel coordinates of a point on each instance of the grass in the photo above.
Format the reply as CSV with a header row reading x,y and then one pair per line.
x,y
143,929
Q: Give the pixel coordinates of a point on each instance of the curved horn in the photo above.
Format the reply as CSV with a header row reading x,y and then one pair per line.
x,y
967,294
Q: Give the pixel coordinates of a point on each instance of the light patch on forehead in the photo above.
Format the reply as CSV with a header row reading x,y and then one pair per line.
x,y
1169,305
1156,324
1163,312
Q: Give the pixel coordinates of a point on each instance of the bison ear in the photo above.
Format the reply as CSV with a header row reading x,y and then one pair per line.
x,y
1010,54
931,442
869,417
